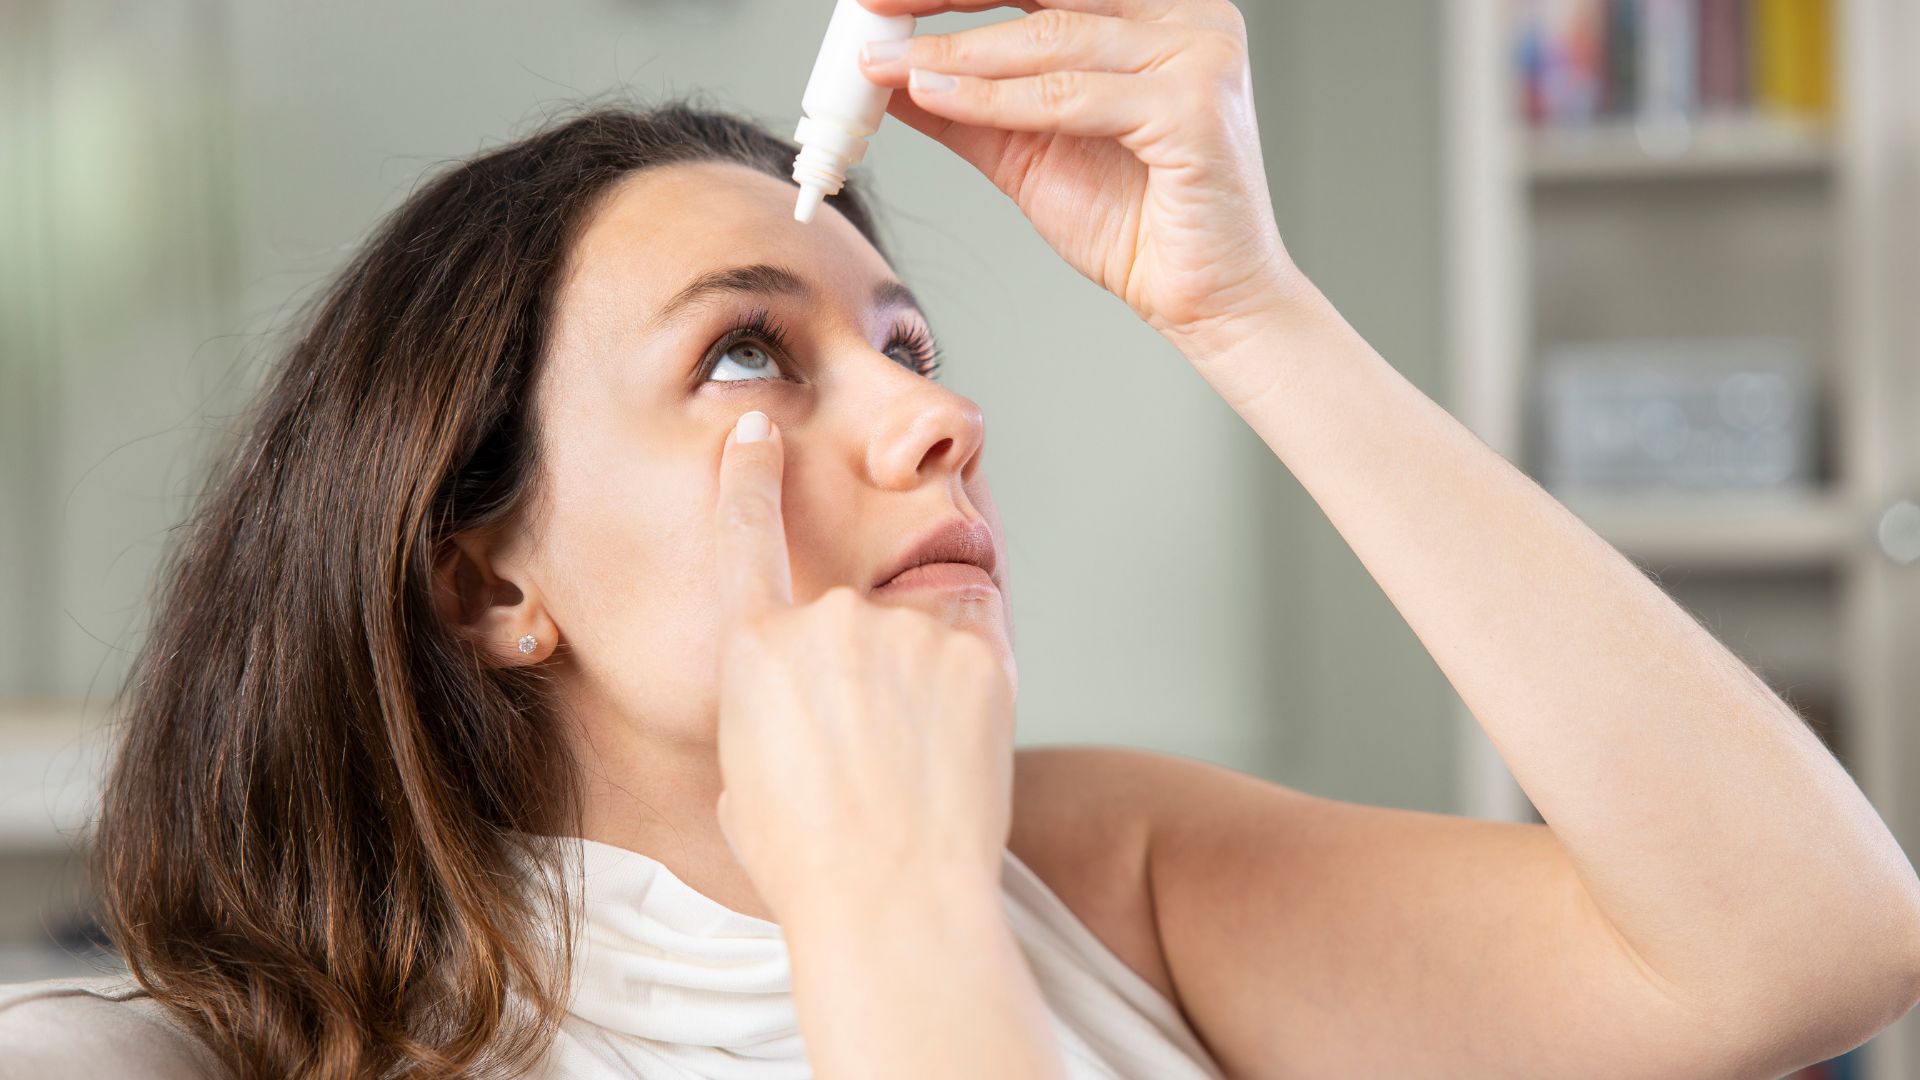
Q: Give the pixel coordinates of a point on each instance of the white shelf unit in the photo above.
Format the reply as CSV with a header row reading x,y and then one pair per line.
x,y
1807,586
1755,534
1712,149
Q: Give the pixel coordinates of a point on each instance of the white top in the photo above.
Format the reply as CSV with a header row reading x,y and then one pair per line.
x,y
668,984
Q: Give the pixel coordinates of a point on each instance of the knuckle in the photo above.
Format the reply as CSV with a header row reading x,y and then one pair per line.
x,y
1056,90
744,641
1213,57
1047,29
840,606
836,600
1234,21
1223,50
942,52
748,511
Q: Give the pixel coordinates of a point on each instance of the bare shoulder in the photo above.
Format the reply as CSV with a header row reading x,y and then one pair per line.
x,y
1304,935
1082,816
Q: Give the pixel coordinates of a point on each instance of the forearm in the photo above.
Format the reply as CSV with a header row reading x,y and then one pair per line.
x,y
1727,846
923,981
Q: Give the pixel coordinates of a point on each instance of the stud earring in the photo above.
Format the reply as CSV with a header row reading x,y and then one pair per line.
x,y
529,643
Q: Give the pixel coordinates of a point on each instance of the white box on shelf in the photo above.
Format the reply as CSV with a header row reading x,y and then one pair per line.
x,y
1676,416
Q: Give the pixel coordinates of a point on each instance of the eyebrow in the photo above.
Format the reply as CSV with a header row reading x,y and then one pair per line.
x,y
763,279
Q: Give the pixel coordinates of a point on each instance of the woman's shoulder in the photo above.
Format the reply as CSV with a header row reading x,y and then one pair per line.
x,y
1080,825
104,1026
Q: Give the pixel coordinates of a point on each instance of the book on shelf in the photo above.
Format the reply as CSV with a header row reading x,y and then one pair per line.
x,y
1682,62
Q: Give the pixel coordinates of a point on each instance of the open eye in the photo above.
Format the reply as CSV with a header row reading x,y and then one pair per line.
x,y
746,359
745,353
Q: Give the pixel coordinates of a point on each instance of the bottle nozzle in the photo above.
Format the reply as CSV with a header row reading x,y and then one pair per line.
x,y
811,195
826,153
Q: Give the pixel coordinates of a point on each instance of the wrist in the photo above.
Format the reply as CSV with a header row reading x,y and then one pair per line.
x,y
924,977
1278,293
1242,353
909,899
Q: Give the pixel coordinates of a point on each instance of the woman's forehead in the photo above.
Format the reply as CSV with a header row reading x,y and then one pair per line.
x,y
663,226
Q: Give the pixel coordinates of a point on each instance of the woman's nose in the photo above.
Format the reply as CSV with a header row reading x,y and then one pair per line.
x,y
926,432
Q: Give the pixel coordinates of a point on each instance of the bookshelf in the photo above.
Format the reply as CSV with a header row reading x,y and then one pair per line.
x,y
1750,533
1717,222
1716,150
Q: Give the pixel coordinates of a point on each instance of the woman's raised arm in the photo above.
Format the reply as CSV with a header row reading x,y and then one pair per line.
x,y
1719,850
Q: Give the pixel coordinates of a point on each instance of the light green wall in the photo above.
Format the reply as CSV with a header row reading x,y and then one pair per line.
x,y
1351,112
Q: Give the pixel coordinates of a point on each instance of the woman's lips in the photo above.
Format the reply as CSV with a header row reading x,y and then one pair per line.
x,y
940,575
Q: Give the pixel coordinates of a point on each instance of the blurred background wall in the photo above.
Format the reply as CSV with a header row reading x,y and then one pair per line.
x,y
179,175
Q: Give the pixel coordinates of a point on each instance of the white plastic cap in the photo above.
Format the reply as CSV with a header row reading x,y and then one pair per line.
x,y
811,195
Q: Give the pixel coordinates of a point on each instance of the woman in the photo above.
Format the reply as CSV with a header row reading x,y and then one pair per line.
x,y
606,534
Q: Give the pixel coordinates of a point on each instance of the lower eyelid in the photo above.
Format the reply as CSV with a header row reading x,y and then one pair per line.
x,y
747,382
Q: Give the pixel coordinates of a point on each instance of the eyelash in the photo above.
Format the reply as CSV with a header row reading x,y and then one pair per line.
x,y
761,326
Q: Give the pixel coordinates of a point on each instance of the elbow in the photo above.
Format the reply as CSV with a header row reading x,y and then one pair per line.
x,y
1879,1000
1823,995
1907,992
1876,983
1823,1015
1890,966
1903,981
1880,946
1896,995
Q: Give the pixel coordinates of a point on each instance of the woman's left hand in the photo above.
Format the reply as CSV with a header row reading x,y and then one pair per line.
x,y
1124,130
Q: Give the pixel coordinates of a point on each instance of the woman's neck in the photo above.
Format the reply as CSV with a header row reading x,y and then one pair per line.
x,y
656,796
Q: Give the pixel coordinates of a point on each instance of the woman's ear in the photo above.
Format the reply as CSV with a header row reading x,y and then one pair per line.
x,y
496,607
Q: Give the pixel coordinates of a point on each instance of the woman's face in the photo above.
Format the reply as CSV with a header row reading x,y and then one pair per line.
x,y
642,385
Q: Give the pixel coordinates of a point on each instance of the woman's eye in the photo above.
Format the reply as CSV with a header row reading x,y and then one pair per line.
x,y
744,360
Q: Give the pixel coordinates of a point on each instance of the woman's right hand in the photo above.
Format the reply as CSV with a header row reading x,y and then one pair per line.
x,y
1125,131
860,745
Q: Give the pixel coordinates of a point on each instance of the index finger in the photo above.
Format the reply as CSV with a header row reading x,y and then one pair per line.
x,y
750,541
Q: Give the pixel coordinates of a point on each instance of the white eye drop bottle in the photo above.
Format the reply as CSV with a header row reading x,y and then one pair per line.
x,y
841,106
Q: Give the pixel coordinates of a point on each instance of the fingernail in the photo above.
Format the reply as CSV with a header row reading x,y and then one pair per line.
x,y
751,427
879,52
934,81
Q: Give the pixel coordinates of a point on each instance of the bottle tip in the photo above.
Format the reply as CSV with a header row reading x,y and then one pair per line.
x,y
809,201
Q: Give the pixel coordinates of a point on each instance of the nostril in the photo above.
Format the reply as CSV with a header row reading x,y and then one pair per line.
x,y
939,449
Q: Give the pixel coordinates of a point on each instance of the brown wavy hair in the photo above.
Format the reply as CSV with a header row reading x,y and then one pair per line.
x,y
311,836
